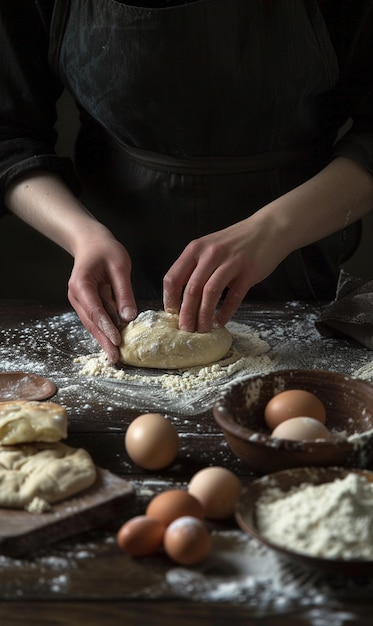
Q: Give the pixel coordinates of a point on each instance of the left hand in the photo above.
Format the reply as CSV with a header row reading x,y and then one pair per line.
x,y
238,257
233,259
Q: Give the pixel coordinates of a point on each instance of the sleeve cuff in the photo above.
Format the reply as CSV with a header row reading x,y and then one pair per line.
x,y
61,166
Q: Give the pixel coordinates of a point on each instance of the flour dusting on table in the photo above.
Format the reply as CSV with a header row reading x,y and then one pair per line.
x,y
365,372
60,348
239,570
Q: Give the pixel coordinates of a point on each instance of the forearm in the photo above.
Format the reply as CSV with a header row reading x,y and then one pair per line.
x,y
43,201
339,195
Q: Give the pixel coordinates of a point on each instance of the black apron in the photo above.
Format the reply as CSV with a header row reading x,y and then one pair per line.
x,y
195,116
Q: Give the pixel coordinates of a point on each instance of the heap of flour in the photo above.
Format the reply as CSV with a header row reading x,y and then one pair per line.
x,y
332,520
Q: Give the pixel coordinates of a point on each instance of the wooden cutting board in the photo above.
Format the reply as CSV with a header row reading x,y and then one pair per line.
x,y
22,532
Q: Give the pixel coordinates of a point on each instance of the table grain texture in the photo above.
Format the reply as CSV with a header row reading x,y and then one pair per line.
x,y
85,579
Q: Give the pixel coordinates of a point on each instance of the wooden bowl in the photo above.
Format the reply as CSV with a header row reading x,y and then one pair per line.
x,y
349,417
285,480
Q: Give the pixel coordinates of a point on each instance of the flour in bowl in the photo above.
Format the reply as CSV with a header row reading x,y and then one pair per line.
x,y
332,520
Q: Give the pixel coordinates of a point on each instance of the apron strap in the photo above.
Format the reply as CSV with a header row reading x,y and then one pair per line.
x,y
211,165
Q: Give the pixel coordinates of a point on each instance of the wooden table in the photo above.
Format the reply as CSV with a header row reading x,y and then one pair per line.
x,y
85,579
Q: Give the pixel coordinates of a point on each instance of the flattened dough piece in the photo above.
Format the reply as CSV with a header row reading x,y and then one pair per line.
x,y
153,339
23,421
42,471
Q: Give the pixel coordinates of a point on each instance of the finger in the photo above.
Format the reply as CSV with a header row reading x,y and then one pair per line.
x,y
123,295
111,351
93,315
109,304
210,299
175,280
188,315
100,335
233,299
224,277
201,296
211,296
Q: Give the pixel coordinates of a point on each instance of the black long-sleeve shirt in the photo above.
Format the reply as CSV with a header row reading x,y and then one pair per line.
x,y
29,87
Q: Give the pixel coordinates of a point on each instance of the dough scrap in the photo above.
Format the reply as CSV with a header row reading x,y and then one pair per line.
x,y
24,421
154,340
44,471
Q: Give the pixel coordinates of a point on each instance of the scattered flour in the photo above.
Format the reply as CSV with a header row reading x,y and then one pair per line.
x,y
239,570
365,372
38,505
332,520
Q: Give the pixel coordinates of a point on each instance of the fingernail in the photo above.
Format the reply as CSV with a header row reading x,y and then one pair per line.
x,y
187,329
128,313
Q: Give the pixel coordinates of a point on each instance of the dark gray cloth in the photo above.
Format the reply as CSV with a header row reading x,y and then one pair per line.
x,y
351,313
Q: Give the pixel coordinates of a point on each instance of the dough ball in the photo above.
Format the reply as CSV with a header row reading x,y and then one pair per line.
x,y
154,340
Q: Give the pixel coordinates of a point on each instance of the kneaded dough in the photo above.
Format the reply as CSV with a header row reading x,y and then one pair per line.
x,y
23,421
43,472
153,339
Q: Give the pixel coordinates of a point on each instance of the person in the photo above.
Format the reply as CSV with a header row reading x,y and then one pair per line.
x,y
225,149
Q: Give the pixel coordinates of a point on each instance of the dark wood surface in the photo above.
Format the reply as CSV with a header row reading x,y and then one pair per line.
x,y
85,578
23,533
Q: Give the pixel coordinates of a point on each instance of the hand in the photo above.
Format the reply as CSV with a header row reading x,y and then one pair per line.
x,y
244,254
233,259
100,286
100,290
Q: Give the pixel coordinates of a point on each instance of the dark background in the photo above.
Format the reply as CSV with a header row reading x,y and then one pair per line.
x,y
33,268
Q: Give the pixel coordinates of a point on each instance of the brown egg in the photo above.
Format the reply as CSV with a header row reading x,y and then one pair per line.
x,y
141,536
187,540
217,489
293,403
301,428
152,441
169,505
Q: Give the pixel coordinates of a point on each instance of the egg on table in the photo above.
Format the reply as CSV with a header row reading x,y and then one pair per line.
x,y
187,540
174,520
173,503
152,441
141,536
218,489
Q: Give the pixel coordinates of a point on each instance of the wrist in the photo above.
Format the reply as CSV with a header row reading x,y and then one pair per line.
x,y
274,229
87,232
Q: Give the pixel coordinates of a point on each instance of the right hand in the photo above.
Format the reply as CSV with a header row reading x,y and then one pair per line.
x,y
100,290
